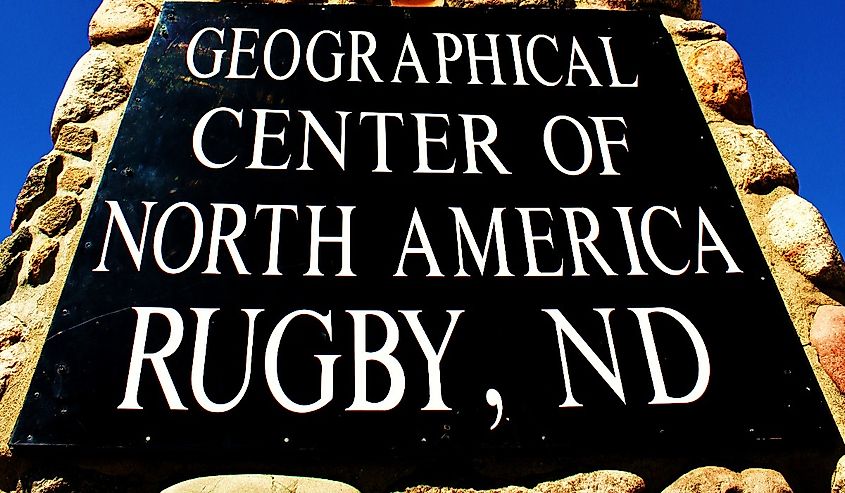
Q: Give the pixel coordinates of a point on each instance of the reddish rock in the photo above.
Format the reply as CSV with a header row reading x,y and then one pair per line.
x,y
121,20
827,336
43,263
59,215
707,480
718,78
75,179
39,186
76,139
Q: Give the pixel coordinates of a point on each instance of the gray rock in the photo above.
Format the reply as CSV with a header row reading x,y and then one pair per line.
x,y
753,161
801,236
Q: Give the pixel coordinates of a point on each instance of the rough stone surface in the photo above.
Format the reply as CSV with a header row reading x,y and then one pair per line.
x,y
435,489
718,77
828,337
753,161
801,236
512,3
76,139
707,480
258,483
43,263
58,215
689,9
10,359
12,252
698,29
595,482
11,333
39,186
837,483
75,179
764,481
95,86
120,20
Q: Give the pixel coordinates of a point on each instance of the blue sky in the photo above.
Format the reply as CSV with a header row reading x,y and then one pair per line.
x,y
795,59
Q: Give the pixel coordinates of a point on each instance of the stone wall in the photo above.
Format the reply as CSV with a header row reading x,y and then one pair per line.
x,y
57,195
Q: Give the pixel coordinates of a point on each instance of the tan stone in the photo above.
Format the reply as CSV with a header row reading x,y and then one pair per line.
x,y
753,161
801,236
437,489
764,481
689,9
10,359
43,263
11,333
828,338
75,179
718,77
698,29
708,479
259,483
95,85
76,139
837,483
595,482
12,252
58,215
39,186
120,20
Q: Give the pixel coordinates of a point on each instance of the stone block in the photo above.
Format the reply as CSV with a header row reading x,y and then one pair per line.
x,y
39,186
753,161
708,479
95,85
595,482
717,75
75,179
43,263
58,215
76,139
827,335
122,20
801,236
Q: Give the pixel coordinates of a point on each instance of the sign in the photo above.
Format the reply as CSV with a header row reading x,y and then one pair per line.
x,y
386,234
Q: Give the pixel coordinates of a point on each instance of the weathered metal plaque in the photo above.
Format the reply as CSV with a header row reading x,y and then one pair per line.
x,y
429,236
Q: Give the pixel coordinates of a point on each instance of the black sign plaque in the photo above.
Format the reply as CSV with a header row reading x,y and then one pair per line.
x,y
435,235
